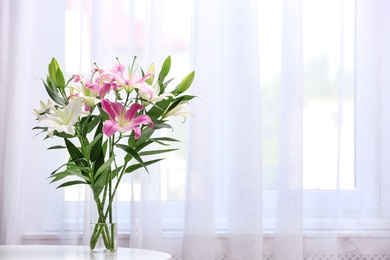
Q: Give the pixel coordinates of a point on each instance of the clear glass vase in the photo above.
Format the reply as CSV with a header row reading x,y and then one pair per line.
x,y
104,237
104,228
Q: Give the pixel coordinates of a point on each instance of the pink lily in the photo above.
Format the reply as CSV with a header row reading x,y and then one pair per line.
x,y
135,81
119,68
139,83
102,90
90,92
123,120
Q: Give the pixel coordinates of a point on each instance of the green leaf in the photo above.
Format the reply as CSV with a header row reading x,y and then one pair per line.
x,y
181,99
185,83
159,108
164,72
51,85
69,172
115,172
98,161
152,152
60,175
77,165
99,184
57,170
69,80
134,167
131,141
73,150
142,145
69,165
55,74
56,147
44,129
103,167
142,141
70,183
72,165
53,67
159,142
103,113
54,96
40,128
63,135
96,149
60,80
133,153
94,141
75,154
145,135
162,125
84,131
101,154
178,101
94,122
166,83
165,68
168,139
187,97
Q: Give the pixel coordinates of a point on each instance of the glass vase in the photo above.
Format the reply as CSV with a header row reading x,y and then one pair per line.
x,y
104,237
103,226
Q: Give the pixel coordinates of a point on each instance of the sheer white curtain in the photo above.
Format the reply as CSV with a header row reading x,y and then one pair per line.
x,y
287,154
224,172
289,215
29,35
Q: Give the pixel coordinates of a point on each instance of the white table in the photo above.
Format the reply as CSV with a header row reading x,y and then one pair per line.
x,y
35,252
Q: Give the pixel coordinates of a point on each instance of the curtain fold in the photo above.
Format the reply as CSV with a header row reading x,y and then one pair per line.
x,y
289,219
372,100
205,160
228,160
242,159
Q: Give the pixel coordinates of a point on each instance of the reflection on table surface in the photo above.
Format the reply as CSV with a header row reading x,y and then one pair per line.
x,y
42,252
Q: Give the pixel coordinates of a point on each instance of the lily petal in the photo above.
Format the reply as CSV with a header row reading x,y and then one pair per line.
x,y
110,127
130,114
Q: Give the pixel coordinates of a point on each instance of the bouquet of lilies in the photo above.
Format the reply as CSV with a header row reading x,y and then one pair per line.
x,y
111,111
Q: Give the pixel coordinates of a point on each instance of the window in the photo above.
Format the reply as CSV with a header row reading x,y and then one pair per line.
x,y
329,118
330,124
175,39
328,113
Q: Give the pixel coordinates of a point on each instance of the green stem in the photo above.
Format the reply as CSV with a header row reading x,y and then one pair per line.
x,y
100,210
102,230
63,94
110,197
127,99
108,236
105,204
116,187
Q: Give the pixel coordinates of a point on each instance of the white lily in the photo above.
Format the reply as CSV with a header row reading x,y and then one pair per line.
x,y
89,95
179,111
64,119
43,109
